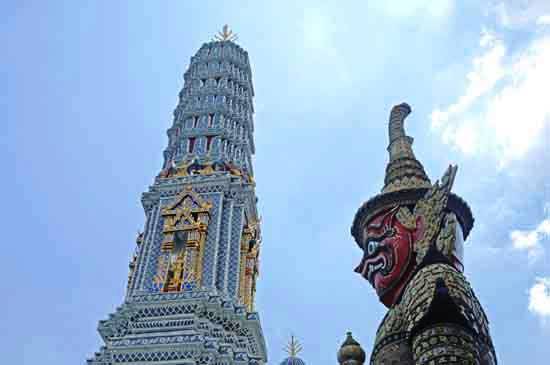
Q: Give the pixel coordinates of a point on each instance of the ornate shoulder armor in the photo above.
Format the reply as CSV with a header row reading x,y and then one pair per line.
x,y
438,296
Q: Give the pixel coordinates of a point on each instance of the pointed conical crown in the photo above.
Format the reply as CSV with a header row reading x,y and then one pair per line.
x,y
405,182
404,171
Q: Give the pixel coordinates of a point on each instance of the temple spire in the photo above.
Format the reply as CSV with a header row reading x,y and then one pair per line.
x,y
200,244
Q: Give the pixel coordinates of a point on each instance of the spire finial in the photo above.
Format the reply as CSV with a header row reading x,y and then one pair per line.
x,y
351,352
226,34
293,347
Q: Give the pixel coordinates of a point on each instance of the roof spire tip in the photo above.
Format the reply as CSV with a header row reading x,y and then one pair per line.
x,y
225,34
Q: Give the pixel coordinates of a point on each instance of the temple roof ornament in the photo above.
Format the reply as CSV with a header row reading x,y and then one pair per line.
x,y
351,352
226,34
293,348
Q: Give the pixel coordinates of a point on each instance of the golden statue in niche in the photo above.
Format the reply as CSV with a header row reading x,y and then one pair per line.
x,y
185,227
174,275
249,264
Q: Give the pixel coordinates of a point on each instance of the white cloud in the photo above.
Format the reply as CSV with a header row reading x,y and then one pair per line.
x,y
539,298
531,240
487,69
412,8
504,107
543,20
520,13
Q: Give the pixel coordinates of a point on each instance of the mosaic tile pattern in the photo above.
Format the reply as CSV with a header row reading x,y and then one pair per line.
x,y
198,325
210,250
235,249
149,241
151,264
223,245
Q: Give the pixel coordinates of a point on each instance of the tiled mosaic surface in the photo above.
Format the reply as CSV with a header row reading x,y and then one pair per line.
x,y
223,245
146,328
235,249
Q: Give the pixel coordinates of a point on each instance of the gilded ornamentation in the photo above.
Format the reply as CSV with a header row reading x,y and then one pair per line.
x,y
351,352
419,297
182,304
248,268
162,269
185,226
206,168
445,344
406,183
419,294
446,240
430,211
174,170
405,217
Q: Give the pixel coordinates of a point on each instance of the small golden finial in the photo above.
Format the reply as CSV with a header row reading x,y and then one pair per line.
x,y
350,352
226,34
293,347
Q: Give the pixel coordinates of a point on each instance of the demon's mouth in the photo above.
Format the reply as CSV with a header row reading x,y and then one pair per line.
x,y
382,264
374,267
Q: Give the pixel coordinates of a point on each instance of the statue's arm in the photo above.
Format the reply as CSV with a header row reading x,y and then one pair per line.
x,y
451,327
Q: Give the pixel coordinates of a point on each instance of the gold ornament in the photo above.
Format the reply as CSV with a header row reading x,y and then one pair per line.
x,y
429,210
189,215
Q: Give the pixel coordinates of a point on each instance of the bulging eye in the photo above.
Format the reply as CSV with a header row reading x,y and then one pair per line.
x,y
371,247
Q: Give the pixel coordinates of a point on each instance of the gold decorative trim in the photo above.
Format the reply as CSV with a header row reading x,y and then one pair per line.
x,y
248,267
188,213
206,168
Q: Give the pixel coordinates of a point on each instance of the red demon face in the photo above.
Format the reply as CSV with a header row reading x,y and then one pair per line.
x,y
388,252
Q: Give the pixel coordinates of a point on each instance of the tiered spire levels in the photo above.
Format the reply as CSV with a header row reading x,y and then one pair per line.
x,y
213,120
192,281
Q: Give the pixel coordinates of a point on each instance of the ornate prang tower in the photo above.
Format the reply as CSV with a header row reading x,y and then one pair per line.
x,y
190,294
412,236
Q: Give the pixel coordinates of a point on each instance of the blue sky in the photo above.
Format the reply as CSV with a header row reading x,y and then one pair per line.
x,y
88,91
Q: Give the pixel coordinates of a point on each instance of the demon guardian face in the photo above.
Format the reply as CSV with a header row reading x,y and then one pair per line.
x,y
388,254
